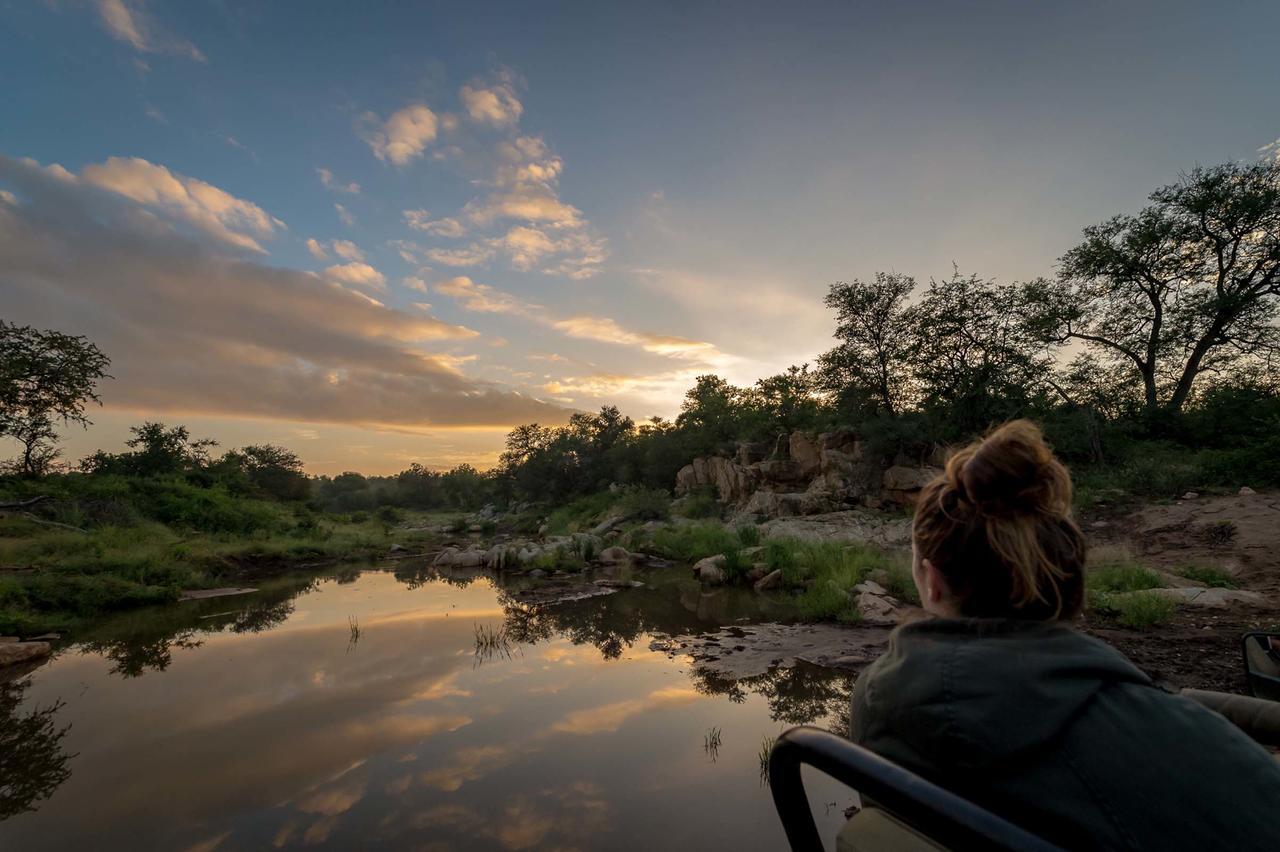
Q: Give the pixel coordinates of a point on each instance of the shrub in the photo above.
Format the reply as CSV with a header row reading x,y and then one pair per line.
x,y
643,504
692,542
1209,575
389,515
580,513
699,505
1123,578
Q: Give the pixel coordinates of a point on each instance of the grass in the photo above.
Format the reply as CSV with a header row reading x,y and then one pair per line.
x,y
56,578
493,643
1212,577
1140,610
699,505
1114,569
766,748
634,503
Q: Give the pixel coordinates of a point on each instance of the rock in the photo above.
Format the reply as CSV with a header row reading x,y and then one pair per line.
x,y
872,587
841,440
1191,495
202,594
537,573
772,504
475,528
711,569
780,471
1245,491
879,576
757,571
616,556
468,559
445,557
606,525
20,652
4,639
876,608
749,554
750,452
805,453
1212,598
731,481
853,526
902,484
397,548
772,580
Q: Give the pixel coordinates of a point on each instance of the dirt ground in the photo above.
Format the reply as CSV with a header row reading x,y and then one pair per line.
x,y
1239,534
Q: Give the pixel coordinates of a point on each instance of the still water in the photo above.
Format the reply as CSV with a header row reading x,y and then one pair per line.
x,y
266,721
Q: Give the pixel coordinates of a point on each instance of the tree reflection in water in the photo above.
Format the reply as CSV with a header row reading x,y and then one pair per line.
x,y
32,761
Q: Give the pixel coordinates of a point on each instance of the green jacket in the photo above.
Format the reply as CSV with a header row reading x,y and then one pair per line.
x,y
1060,733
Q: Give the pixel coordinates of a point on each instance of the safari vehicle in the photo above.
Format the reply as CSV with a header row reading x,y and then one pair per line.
x,y
904,812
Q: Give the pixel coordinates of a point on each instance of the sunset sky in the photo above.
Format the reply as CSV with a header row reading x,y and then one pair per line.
x,y
381,233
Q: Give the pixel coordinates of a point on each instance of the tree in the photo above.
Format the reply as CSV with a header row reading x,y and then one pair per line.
x,y
874,328
46,378
275,471
1185,288
157,450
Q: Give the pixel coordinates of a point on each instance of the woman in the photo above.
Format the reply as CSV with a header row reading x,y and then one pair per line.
x,y
1001,701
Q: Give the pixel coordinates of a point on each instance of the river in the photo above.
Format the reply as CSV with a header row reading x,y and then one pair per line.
x,y
393,707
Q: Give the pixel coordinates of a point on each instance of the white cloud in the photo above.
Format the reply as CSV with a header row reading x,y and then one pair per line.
x,y
412,282
402,137
344,214
496,104
333,184
127,21
357,274
472,255
483,298
347,250
1270,151
420,220
317,249
210,209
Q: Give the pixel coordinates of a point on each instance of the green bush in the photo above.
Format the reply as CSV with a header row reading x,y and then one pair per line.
x,y
749,535
691,542
699,505
389,514
580,514
643,504
1209,575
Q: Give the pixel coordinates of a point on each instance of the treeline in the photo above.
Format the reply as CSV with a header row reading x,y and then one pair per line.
x,y
1150,359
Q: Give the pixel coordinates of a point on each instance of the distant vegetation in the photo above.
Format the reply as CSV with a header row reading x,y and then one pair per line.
x,y
1150,360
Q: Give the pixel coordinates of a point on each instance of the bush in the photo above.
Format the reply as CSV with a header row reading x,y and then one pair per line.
x,y
692,542
699,506
1213,577
389,515
581,513
643,504
749,535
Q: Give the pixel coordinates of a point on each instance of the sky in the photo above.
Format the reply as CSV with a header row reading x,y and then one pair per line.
x,y
385,233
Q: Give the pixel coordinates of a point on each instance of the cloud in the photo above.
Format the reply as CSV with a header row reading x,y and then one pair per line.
x,y
412,282
472,255
347,250
607,331
333,184
420,220
1270,151
127,21
317,249
402,137
191,328
344,215
483,298
357,274
495,104
209,209
609,717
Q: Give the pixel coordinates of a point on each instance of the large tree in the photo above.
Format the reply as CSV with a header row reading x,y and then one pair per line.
x,y
46,378
868,367
1186,287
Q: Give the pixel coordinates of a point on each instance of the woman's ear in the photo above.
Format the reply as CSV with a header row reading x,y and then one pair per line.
x,y
936,594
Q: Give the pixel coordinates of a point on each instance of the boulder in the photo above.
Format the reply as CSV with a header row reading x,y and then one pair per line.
x,y
731,481
606,525
757,572
12,653
1245,491
750,452
537,573
841,440
779,471
445,557
772,504
872,587
616,556
902,484
876,608
806,453
710,570
468,559
528,554
750,554
772,580
397,548
1212,598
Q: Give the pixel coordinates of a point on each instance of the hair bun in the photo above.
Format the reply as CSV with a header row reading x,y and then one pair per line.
x,y
1012,472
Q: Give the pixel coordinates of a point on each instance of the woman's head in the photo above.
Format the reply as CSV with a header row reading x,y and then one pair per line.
x,y
993,534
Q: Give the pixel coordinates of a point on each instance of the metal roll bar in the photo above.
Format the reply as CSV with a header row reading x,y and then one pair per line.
x,y
936,813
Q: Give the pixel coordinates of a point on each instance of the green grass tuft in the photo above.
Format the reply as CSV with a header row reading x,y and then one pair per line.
x,y
1212,577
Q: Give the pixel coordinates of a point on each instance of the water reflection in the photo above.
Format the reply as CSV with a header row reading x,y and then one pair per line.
x,y
246,723
32,760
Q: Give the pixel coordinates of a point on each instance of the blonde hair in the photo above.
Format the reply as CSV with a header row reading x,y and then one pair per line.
x,y
997,523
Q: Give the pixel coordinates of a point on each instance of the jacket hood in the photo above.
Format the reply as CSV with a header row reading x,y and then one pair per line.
x,y
976,692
